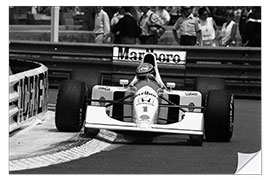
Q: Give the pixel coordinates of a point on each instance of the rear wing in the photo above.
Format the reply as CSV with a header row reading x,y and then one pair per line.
x,y
164,58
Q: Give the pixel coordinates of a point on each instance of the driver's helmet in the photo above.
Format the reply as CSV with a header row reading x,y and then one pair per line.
x,y
145,70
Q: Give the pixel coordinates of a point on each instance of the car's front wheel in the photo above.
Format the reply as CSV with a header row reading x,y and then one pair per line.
x,y
219,116
71,106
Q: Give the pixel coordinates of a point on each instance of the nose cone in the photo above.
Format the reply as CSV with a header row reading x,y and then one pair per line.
x,y
144,121
145,107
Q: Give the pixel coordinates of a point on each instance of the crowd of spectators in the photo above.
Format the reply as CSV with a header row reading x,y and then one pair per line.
x,y
200,26
194,26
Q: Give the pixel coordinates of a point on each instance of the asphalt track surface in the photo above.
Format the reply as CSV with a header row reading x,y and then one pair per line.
x,y
172,154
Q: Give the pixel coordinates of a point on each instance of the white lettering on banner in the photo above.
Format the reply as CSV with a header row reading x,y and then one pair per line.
x,y
171,57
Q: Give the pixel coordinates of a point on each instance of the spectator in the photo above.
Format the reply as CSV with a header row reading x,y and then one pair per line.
x,y
188,26
208,28
252,35
127,27
228,30
115,19
102,26
163,14
135,13
34,10
242,22
117,16
148,21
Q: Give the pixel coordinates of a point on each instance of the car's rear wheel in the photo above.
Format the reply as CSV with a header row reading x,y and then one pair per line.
x,y
204,85
219,116
71,106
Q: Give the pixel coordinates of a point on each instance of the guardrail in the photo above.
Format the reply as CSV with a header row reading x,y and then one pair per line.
x,y
28,92
93,63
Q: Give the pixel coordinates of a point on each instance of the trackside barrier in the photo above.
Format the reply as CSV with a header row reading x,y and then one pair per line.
x,y
95,64
28,92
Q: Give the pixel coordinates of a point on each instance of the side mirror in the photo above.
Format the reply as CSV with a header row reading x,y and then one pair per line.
x,y
170,85
124,82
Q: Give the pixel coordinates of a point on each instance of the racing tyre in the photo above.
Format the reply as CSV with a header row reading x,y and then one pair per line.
x,y
204,85
71,106
219,116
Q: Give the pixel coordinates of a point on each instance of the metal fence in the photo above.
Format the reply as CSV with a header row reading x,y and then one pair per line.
x,y
93,63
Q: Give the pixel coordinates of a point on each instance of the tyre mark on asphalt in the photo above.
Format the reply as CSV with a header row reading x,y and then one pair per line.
x,y
86,149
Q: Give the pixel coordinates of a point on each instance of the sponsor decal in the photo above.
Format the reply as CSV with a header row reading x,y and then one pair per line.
x,y
144,121
191,93
145,96
104,88
145,117
145,100
170,57
231,113
146,93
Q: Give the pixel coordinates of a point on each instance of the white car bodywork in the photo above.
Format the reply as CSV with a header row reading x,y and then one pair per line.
x,y
147,110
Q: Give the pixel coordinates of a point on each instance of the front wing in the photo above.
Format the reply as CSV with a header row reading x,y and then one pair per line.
x,y
191,124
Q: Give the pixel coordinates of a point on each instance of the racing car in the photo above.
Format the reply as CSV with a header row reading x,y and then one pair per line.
x,y
147,105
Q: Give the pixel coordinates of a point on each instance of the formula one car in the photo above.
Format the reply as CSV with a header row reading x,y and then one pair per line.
x,y
147,105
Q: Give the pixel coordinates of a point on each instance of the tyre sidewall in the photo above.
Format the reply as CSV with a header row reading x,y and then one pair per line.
x,y
70,106
219,116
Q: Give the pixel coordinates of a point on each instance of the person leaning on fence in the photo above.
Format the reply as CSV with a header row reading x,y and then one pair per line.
x,y
127,27
151,26
208,27
190,33
102,26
